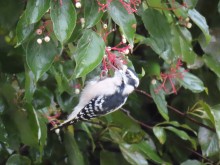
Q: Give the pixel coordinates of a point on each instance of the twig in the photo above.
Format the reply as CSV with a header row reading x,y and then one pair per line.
x,y
135,120
178,112
198,154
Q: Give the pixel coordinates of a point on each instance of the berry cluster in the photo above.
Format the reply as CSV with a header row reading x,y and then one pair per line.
x,y
170,76
130,6
41,30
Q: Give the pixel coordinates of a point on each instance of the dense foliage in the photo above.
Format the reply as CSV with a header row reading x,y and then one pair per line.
x,y
49,48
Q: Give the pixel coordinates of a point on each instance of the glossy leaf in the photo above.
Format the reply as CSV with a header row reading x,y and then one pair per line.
x,y
208,111
177,124
149,151
219,6
73,152
134,158
3,133
40,56
160,133
23,30
2,104
160,37
191,3
17,159
159,99
191,82
42,133
89,133
42,98
157,4
30,85
200,21
63,18
121,119
153,69
216,114
125,21
35,10
192,162
62,73
92,14
182,134
212,48
212,64
209,143
89,53
29,128
182,46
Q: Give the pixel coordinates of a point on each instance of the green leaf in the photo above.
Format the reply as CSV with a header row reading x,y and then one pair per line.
x,y
192,162
213,64
2,104
160,133
219,6
181,45
190,3
33,121
23,30
24,131
209,142
208,111
3,133
159,99
155,4
200,21
17,159
160,37
149,151
216,114
42,98
121,119
89,53
153,69
112,158
177,124
89,133
66,101
92,14
72,149
63,18
62,73
212,48
125,21
35,10
134,158
30,85
182,134
42,130
191,82
40,56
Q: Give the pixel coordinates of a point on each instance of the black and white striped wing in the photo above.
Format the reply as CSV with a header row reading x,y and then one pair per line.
x,y
99,106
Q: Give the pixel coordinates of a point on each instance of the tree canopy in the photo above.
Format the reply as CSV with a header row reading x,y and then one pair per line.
x,y
50,48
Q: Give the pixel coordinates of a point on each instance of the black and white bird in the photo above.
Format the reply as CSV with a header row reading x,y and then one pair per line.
x,y
101,97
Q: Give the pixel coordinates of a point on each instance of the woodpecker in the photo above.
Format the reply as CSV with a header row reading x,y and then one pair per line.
x,y
103,96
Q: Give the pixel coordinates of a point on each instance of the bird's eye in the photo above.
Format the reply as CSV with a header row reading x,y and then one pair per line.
x,y
127,73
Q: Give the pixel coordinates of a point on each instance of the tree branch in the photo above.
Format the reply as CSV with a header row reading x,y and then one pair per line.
x,y
135,120
178,112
